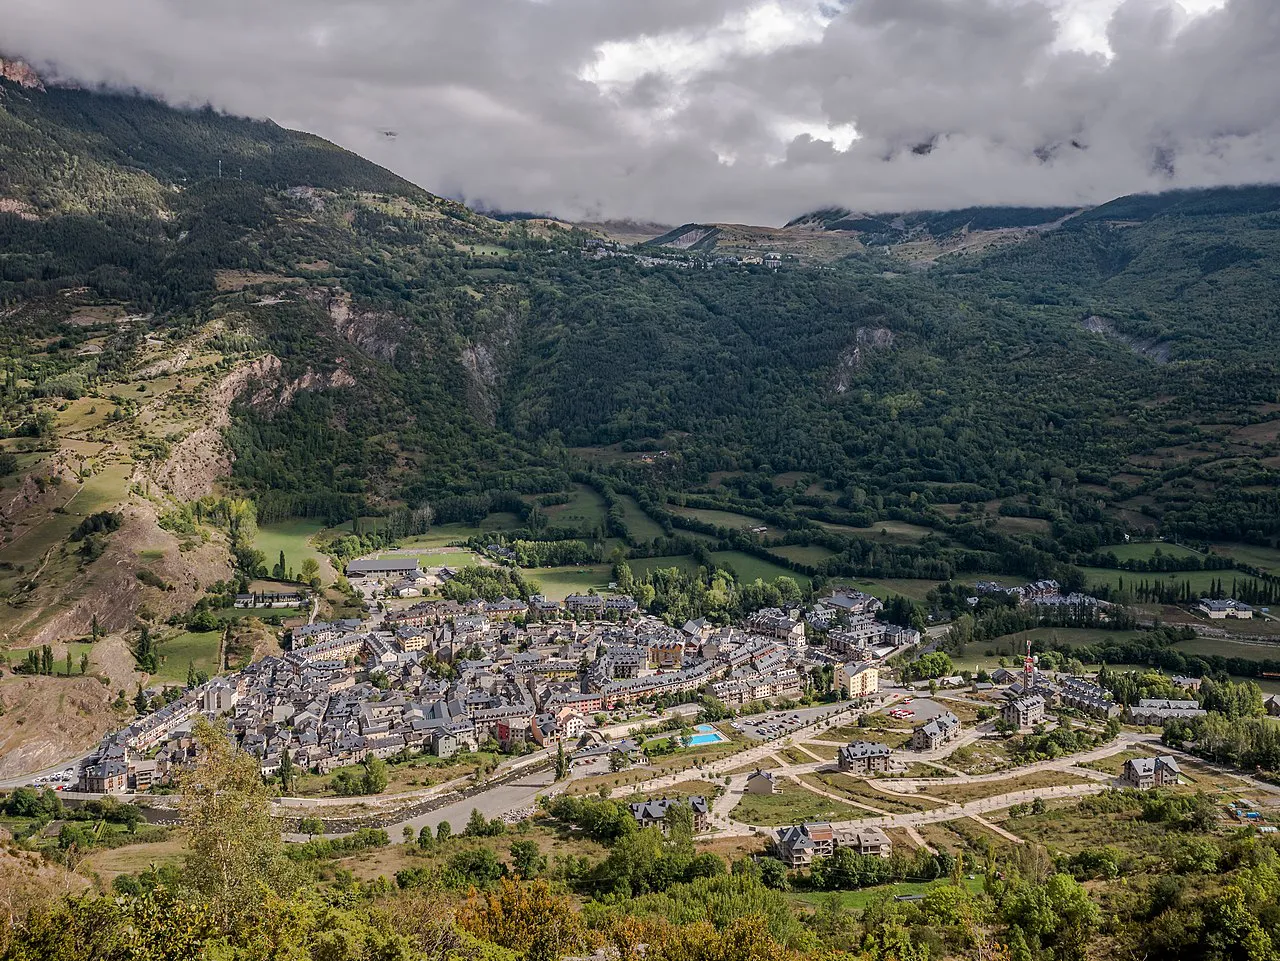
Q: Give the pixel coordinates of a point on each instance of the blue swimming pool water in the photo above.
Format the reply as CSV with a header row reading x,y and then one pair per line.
x,y
706,735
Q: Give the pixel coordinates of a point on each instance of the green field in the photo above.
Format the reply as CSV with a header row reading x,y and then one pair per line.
x,y
187,648
557,583
585,511
790,479
103,490
891,532
1201,581
294,538
1145,550
438,557
38,548
859,900
366,525
1070,636
643,565
887,531
643,527
917,590
1022,525
804,553
1264,558
726,519
748,568
1012,646
225,614
17,655
1226,647
791,804
444,534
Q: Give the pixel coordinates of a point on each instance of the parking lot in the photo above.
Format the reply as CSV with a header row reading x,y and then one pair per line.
x,y
58,781
917,710
776,724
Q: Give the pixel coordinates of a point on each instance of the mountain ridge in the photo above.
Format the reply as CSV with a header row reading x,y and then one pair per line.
x,y
399,350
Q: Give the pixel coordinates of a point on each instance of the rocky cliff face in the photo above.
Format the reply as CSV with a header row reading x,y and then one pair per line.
x,y
866,339
18,72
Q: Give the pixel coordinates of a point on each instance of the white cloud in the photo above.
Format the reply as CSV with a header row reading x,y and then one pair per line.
x,y
840,135
745,110
756,30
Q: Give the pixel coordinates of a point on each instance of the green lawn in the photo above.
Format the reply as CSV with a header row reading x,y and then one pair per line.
x,y
748,568
792,805
1016,644
439,557
683,789
18,654
643,565
225,614
1201,581
444,534
1145,550
1022,525
890,532
418,771
719,518
860,899
918,589
1226,647
1265,558
187,648
557,583
586,510
804,553
366,525
887,587
642,526
1114,763
294,538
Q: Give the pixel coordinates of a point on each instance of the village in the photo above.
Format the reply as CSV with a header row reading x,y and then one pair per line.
x,y
818,742
442,677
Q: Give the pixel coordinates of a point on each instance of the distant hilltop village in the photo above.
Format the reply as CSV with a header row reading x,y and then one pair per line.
x,y
440,677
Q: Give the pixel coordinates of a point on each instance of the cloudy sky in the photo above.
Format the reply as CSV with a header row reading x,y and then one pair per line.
x,y
728,110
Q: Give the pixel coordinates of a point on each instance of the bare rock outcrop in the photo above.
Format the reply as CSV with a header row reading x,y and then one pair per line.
x,y
865,340
202,458
15,71
1153,349
374,332
485,362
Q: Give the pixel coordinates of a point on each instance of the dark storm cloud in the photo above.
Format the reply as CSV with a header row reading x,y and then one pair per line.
x,y
715,110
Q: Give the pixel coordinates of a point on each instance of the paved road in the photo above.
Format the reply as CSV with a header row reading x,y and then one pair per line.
x,y
495,802
61,766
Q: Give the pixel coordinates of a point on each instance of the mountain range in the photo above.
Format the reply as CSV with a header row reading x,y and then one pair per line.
x,y
199,305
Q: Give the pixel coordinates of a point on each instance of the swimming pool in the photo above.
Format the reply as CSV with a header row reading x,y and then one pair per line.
x,y
706,734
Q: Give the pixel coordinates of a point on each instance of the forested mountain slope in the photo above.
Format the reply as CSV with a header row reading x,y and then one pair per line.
x,y
307,323
314,334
